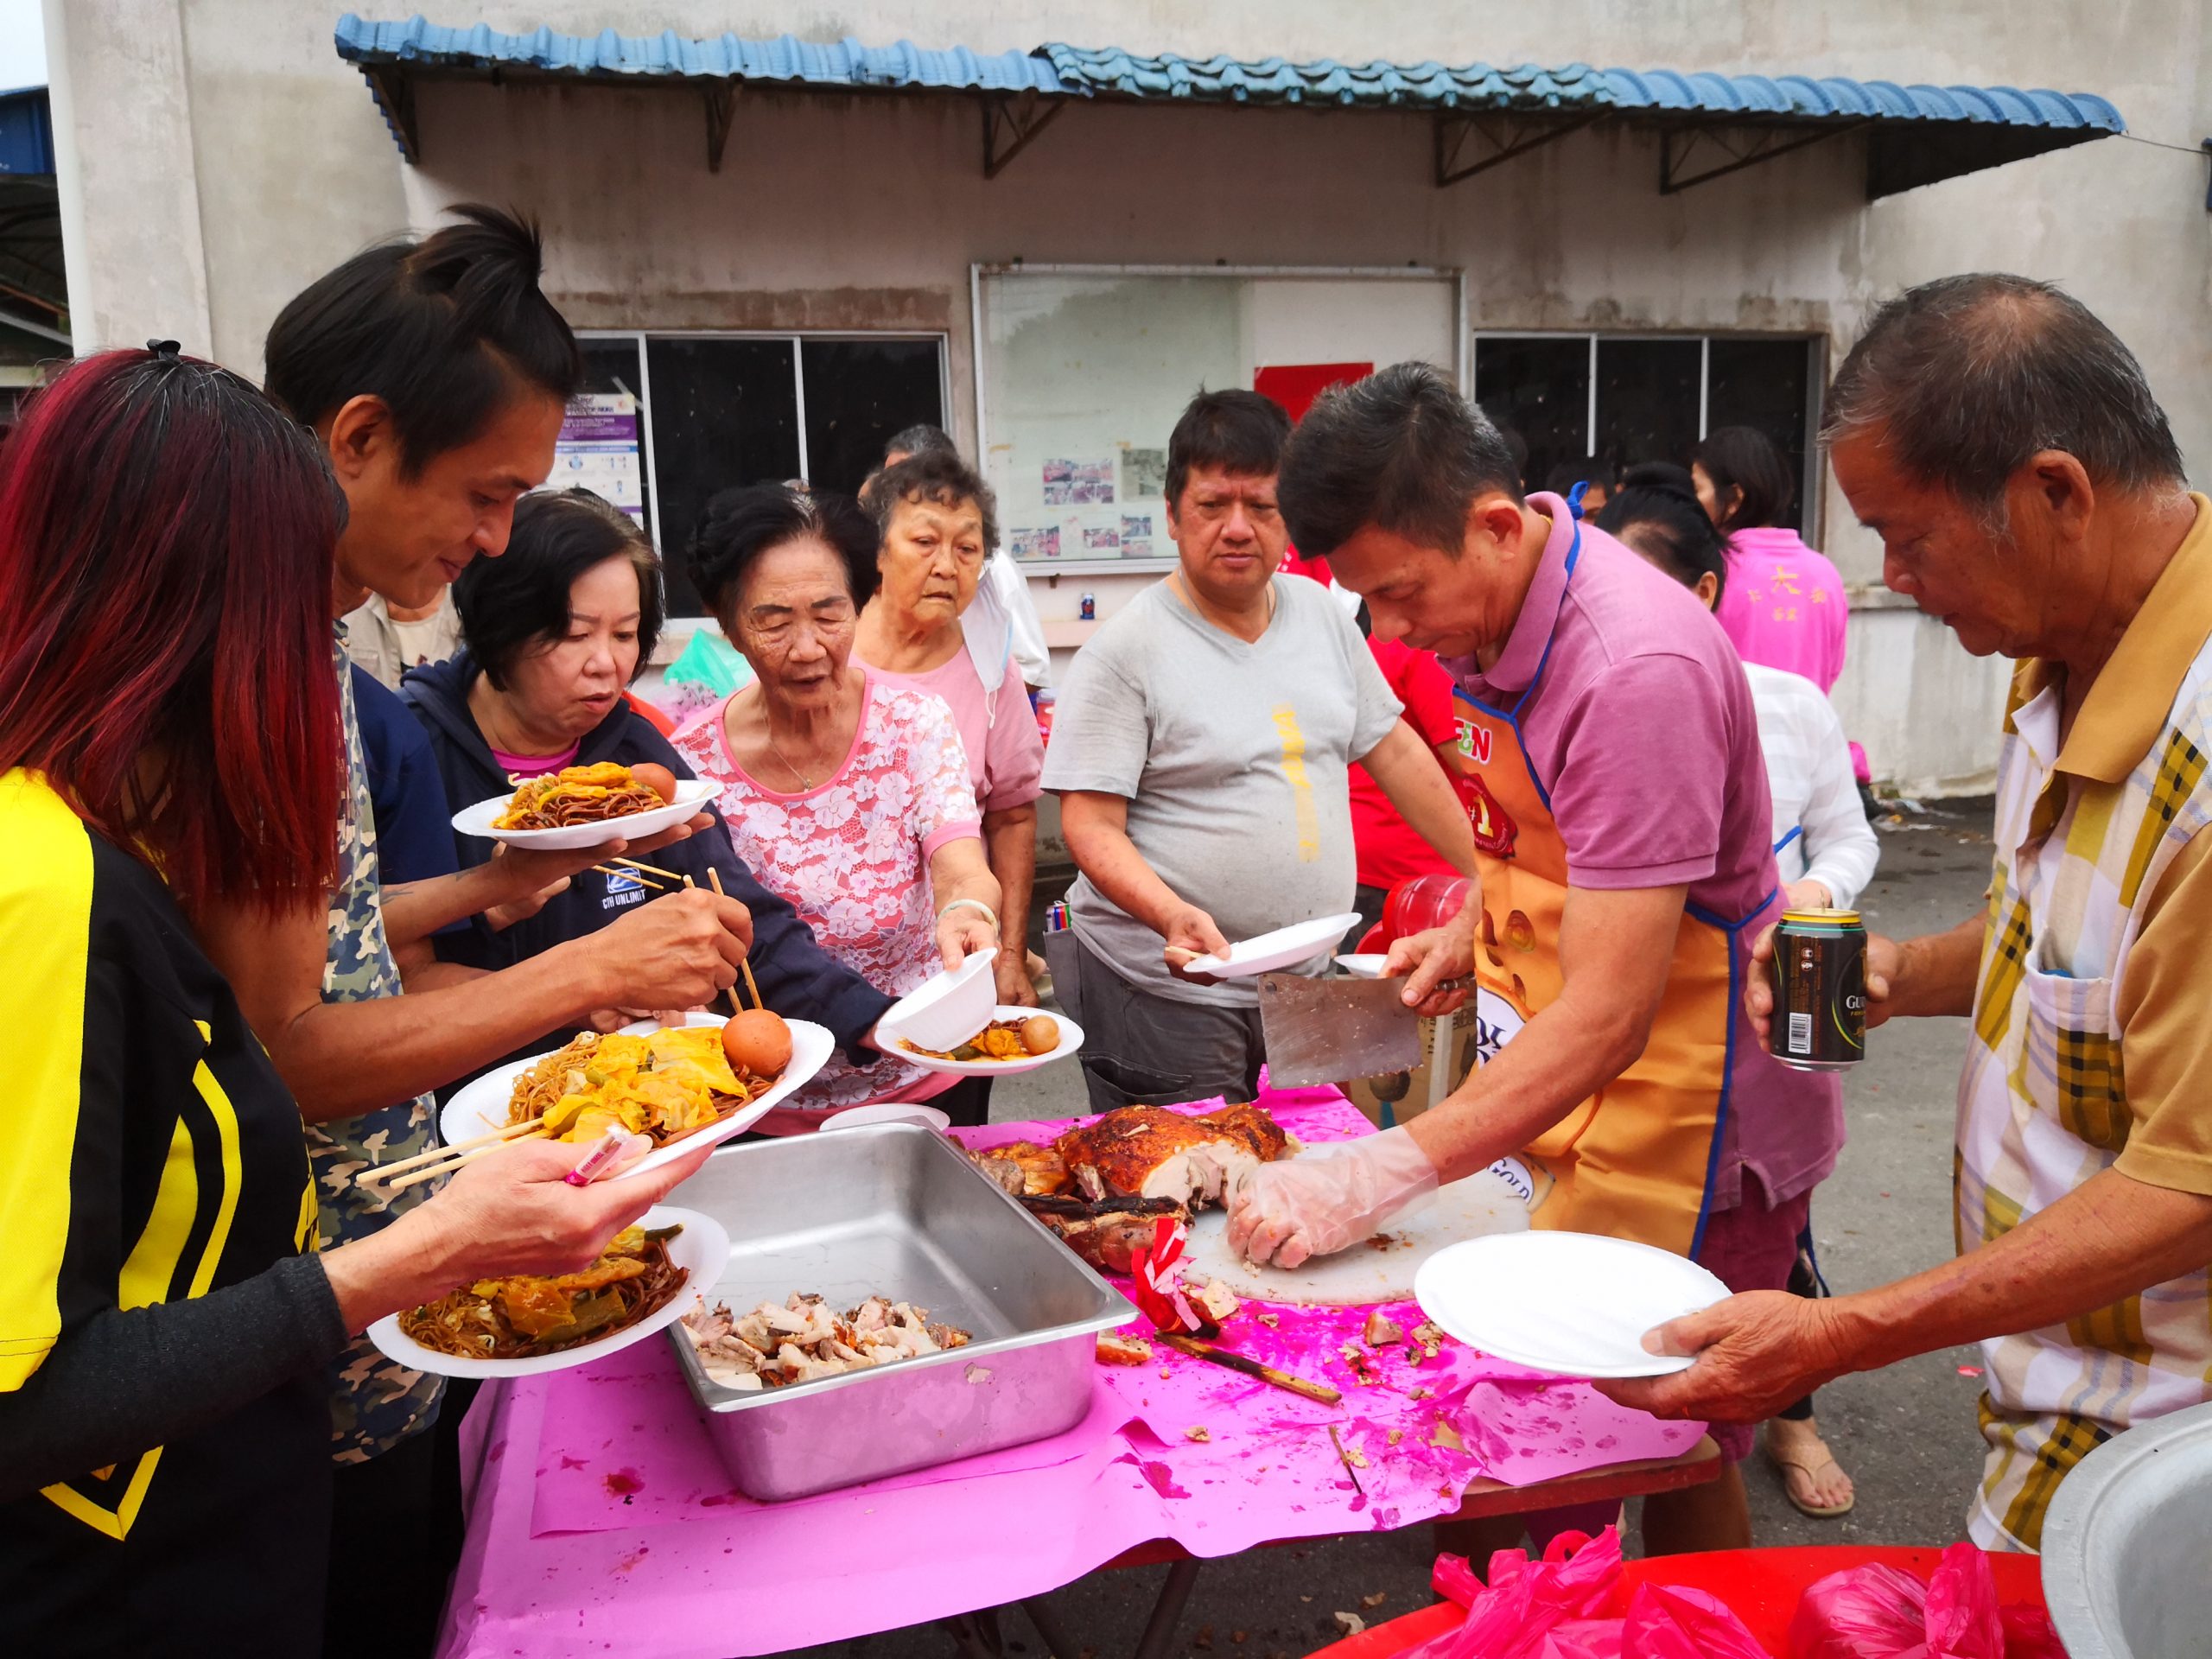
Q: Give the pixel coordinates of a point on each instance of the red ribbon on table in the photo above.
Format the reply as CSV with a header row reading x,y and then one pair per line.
x,y
1157,1276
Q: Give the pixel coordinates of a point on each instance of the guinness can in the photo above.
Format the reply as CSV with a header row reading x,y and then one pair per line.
x,y
1820,990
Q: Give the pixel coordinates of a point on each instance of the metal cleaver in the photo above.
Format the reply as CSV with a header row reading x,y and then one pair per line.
x,y
1334,1030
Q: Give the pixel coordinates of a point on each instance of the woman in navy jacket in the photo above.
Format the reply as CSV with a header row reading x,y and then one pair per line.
x,y
553,633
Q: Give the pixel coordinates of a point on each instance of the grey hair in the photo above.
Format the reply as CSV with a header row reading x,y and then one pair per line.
x,y
1400,450
1969,377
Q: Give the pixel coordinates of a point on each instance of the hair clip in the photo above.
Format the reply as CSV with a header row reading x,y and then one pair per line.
x,y
165,349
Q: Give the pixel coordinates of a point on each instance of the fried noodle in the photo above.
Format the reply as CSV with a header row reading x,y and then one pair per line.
x,y
522,1316
577,795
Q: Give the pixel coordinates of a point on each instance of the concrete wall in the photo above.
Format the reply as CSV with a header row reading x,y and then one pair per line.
x,y
226,157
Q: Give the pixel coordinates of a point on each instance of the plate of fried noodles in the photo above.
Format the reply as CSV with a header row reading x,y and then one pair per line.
x,y
583,806
649,1275
673,1083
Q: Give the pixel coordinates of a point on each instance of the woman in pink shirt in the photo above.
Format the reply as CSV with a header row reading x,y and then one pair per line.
x,y
939,525
846,796
1783,604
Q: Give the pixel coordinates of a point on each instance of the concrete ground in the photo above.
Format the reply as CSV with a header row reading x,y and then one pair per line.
x,y
1906,1434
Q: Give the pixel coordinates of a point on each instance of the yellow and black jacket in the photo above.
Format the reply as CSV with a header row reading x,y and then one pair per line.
x,y
164,1432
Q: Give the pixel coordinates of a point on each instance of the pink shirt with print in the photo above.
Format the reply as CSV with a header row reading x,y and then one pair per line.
x,y
852,857
998,728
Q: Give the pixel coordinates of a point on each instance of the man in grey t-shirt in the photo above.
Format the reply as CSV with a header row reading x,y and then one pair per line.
x,y
1200,749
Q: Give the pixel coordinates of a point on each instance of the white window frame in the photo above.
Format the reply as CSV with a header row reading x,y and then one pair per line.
x,y
1815,386
1462,365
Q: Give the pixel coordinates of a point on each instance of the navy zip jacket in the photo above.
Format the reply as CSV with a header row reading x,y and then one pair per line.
x,y
798,978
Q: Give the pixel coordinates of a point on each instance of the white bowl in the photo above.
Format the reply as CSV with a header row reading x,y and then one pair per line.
x,y
1070,1040
1364,964
702,1250
951,1007
691,794
481,1106
888,1111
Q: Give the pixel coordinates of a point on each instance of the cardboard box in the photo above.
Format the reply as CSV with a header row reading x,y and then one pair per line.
x,y
1460,1061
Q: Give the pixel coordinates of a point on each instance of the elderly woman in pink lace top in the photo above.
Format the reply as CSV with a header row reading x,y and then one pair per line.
x,y
848,796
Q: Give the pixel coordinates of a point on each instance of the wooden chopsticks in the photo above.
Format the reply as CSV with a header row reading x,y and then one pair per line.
x,y
744,963
443,1160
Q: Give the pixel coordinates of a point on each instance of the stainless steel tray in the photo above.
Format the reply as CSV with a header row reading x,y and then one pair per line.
x,y
893,1209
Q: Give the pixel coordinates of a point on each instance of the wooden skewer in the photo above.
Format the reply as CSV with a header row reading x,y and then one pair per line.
x,y
435,1170
603,869
1197,1349
439,1154
650,869
1345,1457
744,963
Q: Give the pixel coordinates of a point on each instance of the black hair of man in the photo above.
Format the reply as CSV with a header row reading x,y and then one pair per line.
x,y
1237,432
936,475
917,440
739,526
1744,459
1656,511
1967,378
446,331
517,603
1590,469
1402,451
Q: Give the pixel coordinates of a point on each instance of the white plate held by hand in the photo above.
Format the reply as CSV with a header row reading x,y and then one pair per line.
x,y
481,1106
1286,947
1070,1040
702,1250
1576,1304
691,795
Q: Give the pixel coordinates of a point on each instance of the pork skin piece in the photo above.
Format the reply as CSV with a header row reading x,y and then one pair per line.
x,y
1024,1169
1109,1241
1148,1151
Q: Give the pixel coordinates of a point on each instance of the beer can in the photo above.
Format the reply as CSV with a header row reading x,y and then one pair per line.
x,y
1820,990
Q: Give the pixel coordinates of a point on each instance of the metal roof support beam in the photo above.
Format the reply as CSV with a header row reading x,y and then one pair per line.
x,y
1014,121
1468,144
721,107
1742,147
396,92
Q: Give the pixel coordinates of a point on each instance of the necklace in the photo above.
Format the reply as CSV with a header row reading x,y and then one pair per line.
x,y
804,782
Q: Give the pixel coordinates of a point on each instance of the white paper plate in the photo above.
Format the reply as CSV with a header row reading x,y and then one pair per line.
x,y
1367,964
702,1250
1286,947
481,1106
1070,1040
1576,1304
691,794
948,1008
888,1111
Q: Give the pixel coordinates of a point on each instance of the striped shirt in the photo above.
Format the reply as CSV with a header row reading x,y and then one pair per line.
x,y
2090,1049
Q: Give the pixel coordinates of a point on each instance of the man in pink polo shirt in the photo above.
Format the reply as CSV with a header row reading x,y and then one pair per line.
x,y
1622,827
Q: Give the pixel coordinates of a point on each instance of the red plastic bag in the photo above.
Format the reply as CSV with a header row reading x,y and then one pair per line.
x,y
1676,1622
1879,1613
1555,1608
2028,1633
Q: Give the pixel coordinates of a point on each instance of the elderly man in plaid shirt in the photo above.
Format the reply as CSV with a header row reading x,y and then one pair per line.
x,y
2028,495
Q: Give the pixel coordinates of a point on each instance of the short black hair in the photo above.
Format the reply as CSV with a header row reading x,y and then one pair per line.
x,y
1240,432
738,525
1969,376
938,475
1743,458
518,602
1400,450
1589,469
444,331
917,440
1656,510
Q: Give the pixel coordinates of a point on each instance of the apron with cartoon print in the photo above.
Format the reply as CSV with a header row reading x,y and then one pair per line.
x,y
1636,1159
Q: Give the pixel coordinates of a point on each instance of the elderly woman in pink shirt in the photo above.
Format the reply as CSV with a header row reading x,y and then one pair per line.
x,y
923,630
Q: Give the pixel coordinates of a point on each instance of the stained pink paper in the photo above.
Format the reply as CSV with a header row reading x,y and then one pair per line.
x,y
600,1517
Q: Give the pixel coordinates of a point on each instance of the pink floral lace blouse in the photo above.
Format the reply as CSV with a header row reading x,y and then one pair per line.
x,y
852,854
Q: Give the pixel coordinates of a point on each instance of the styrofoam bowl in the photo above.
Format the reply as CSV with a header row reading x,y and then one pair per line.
x,y
888,1111
950,1007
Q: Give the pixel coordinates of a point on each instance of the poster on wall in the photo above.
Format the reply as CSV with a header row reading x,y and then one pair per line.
x,y
597,450
1036,543
1079,483
1144,474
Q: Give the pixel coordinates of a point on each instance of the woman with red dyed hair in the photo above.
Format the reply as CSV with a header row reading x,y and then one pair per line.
x,y
170,741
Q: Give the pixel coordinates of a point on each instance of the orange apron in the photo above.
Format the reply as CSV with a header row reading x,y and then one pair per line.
x,y
1637,1158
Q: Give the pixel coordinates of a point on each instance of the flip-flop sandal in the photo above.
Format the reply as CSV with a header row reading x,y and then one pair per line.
x,y
1808,1467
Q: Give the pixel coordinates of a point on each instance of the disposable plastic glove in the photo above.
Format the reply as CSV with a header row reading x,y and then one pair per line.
x,y
1317,1206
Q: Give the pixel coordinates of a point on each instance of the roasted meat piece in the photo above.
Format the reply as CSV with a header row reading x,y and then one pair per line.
x,y
1026,1169
1148,1151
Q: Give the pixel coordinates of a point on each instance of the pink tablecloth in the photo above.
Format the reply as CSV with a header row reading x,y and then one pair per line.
x,y
600,1519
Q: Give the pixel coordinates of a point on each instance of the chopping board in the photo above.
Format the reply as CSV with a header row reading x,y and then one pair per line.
x,y
1483,1203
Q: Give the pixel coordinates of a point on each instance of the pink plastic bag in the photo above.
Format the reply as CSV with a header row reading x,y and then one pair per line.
x,y
1668,1621
1553,1608
1879,1613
